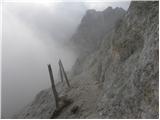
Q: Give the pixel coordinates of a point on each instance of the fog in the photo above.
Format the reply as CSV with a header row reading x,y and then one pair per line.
x,y
35,35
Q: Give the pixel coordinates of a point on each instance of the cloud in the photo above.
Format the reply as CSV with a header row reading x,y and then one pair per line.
x,y
57,21
31,40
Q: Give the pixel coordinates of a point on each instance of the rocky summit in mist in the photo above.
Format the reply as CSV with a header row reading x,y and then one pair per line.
x,y
116,73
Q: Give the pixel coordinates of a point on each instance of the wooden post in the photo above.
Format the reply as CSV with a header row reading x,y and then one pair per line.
x,y
60,70
65,75
53,86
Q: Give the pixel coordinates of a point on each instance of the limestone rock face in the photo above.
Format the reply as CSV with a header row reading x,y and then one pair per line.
x,y
119,79
130,70
93,27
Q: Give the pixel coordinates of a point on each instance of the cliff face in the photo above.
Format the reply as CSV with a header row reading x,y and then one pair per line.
x,y
129,67
117,80
93,27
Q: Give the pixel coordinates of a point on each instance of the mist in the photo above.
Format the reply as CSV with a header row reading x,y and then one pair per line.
x,y
35,35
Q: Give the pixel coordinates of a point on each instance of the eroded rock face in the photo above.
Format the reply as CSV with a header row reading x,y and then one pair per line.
x,y
127,65
93,27
120,78
130,67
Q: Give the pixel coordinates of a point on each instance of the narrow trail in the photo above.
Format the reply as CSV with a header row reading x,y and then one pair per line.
x,y
84,92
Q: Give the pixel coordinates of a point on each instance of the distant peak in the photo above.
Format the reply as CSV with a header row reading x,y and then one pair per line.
x,y
91,11
109,8
119,8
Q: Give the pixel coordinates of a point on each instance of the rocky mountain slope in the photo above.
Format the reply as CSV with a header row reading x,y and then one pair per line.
x,y
93,27
117,80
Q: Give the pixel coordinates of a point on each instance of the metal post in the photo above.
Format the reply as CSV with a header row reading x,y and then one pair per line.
x,y
60,70
65,75
53,86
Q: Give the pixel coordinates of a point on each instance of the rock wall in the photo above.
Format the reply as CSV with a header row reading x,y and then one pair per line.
x,y
127,65
93,27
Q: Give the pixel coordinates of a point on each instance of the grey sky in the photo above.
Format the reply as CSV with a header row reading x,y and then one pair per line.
x,y
34,34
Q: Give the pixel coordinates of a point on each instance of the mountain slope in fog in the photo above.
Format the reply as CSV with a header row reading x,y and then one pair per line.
x,y
117,80
93,27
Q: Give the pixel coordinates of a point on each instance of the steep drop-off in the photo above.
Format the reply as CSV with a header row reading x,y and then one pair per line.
x,y
119,79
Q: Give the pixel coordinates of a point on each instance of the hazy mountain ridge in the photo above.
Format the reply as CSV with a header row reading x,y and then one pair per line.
x,y
94,26
117,80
